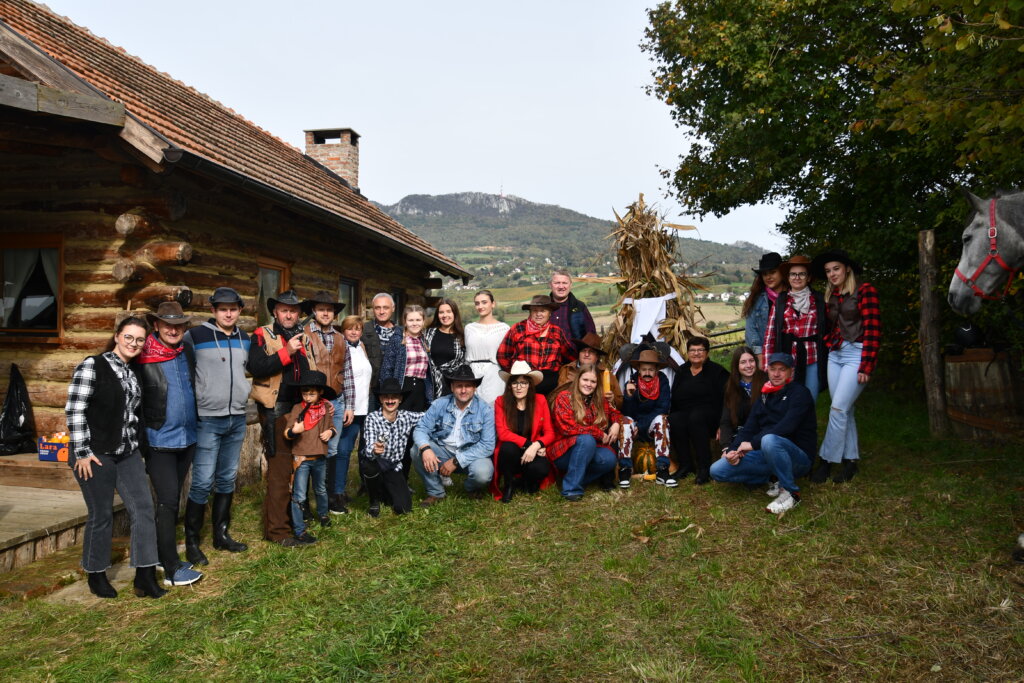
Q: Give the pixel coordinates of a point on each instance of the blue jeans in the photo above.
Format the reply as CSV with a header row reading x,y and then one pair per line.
x,y
585,462
778,456
841,435
479,473
215,464
811,382
343,445
317,471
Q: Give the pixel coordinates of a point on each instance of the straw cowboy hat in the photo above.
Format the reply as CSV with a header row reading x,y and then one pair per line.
x,y
523,369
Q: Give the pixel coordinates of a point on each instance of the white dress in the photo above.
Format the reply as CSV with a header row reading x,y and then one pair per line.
x,y
482,342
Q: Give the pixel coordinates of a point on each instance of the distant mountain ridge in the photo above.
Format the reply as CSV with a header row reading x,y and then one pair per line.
x,y
465,223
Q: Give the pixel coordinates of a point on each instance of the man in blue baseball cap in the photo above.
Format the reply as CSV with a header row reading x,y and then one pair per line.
x,y
779,438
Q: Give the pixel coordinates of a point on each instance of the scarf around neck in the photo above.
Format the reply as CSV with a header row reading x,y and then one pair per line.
x,y
155,351
535,330
801,300
649,387
770,388
313,413
771,294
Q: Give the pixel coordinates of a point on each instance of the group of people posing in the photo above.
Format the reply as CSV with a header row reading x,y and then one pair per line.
x,y
513,409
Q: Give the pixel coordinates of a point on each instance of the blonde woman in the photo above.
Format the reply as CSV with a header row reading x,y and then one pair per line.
x,y
407,359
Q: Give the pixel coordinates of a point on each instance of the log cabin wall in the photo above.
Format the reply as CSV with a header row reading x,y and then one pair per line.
x,y
131,237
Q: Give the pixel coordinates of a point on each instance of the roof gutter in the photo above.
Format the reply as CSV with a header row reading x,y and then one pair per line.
x,y
193,162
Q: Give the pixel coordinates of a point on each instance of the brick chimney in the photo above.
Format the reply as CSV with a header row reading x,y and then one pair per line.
x,y
337,149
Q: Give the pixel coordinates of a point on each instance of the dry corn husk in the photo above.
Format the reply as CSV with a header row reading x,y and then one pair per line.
x,y
646,250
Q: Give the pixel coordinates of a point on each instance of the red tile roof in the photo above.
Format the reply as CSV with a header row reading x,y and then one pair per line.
x,y
202,126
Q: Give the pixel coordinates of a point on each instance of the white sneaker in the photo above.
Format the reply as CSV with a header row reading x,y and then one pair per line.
x,y
784,502
446,481
773,490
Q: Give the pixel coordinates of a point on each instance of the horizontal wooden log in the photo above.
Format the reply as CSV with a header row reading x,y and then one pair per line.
x,y
49,420
97,298
43,367
153,295
90,321
48,394
244,284
80,277
135,223
135,271
165,253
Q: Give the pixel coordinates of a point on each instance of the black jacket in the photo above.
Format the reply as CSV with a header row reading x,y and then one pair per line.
x,y
788,412
154,388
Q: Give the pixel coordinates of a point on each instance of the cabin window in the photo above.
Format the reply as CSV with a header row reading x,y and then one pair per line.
x,y
348,292
274,277
32,272
400,301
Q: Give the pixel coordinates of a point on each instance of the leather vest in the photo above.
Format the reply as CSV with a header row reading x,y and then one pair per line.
x,y
843,311
266,389
331,364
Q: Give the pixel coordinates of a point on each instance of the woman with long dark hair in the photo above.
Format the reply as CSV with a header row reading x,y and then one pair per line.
x,y
765,288
524,430
105,421
446,344
742,389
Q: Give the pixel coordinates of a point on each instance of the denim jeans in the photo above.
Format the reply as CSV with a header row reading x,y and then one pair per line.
x,y
778,456
346,441
317,471
841,435
585,462
215,465
812,383
479,473
128,476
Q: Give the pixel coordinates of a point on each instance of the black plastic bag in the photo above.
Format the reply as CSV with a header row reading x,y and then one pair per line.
x,y
17,431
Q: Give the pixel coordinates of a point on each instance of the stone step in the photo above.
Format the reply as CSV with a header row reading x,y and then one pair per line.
x,y
26,469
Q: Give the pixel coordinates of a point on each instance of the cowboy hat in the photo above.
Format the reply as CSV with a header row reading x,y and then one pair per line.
x,y
648,356
321,297
169,312
797,260
462,373
225,295
818,264
288,298
313,378
769,261
521,369
542,300
591,340
390,385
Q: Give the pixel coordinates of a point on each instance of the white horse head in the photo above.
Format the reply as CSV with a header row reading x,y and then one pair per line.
x,y
993,252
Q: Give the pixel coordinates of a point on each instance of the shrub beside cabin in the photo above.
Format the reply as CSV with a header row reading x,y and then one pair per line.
x,y
121,187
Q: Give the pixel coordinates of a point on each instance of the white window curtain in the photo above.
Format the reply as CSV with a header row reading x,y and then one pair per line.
x,y
18,267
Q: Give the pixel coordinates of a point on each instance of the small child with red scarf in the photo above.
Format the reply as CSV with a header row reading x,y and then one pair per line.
x,y
647,402
308,427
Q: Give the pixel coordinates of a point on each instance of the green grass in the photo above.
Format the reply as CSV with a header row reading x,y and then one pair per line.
x,y
905,569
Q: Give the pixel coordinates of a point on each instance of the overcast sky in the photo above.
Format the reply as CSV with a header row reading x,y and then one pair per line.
x,y
544,100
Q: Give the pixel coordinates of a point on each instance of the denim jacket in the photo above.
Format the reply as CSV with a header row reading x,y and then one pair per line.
x,y
757,323
477,428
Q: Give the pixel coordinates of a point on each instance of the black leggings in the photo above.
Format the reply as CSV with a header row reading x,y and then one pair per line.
x,y
549,382
386,485
167,468
510,465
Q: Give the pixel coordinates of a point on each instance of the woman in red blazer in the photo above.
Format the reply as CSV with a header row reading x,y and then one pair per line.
x,y
523,423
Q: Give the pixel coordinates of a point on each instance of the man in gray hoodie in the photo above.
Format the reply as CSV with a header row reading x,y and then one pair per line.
x,y
221,350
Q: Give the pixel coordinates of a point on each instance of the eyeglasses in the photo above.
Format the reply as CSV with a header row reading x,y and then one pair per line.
x,y
798,276
696,349
133,341
521,383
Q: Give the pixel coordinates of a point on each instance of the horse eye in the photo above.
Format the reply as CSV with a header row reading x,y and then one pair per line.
x,y
967,238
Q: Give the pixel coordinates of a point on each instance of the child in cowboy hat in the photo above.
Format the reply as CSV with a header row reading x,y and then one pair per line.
x,y
647,403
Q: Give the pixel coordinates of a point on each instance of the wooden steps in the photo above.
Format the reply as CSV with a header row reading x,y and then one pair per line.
x,y
26,469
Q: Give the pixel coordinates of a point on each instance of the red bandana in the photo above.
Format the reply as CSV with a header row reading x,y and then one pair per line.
x,y
770,388
650,387
155,351
314,413
535,330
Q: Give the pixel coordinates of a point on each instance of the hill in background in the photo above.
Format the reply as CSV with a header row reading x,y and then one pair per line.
x,y
505,240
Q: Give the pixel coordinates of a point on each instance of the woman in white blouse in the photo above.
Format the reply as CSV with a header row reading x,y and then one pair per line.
x,y
357,397
482,341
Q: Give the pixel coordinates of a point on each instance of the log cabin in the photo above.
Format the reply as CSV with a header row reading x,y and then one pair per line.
x,y
121,187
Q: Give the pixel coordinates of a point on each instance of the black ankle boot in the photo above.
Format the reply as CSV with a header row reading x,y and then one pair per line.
x,y
221,521
145,583
194,514
507,490
100,585
846,473
821,472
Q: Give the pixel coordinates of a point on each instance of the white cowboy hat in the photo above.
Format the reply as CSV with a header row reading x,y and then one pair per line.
x,y
521,367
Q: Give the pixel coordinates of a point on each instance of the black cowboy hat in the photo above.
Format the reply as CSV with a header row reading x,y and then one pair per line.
x,y
169,312
288,298
313,378
463,373
225,295
591,340
769,261
390,385
630,352
542,300
321,297
818,264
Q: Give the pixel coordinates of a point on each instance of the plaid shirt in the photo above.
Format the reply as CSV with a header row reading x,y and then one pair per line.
x,y
417,362
326,336
547,353
79,393
871,325
395,436
805,325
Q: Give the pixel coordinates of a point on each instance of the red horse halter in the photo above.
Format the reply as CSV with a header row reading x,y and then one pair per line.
x,y
993,255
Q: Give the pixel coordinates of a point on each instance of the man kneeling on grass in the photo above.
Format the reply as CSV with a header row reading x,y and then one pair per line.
x,y
456,434
779,438
385,442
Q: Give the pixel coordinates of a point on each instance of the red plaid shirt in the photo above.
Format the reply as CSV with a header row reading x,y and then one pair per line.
x,y
542,353
567,428
805,325
417,362
870,323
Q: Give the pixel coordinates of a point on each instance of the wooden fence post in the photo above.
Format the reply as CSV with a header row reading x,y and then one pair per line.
x,y
928,335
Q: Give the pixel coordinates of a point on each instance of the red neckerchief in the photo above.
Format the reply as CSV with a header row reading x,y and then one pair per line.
x,y
770,388
650,387
314,413
155,351
535,330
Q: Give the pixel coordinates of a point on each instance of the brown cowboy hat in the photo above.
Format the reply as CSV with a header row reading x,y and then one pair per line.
x,y
591,340
168,312
648,356
797,260
542,300
321,297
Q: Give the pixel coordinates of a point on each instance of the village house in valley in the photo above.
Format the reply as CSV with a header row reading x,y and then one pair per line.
x,y
122,187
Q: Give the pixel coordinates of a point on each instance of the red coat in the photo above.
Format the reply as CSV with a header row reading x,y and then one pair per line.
x,y
542,430
567,428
